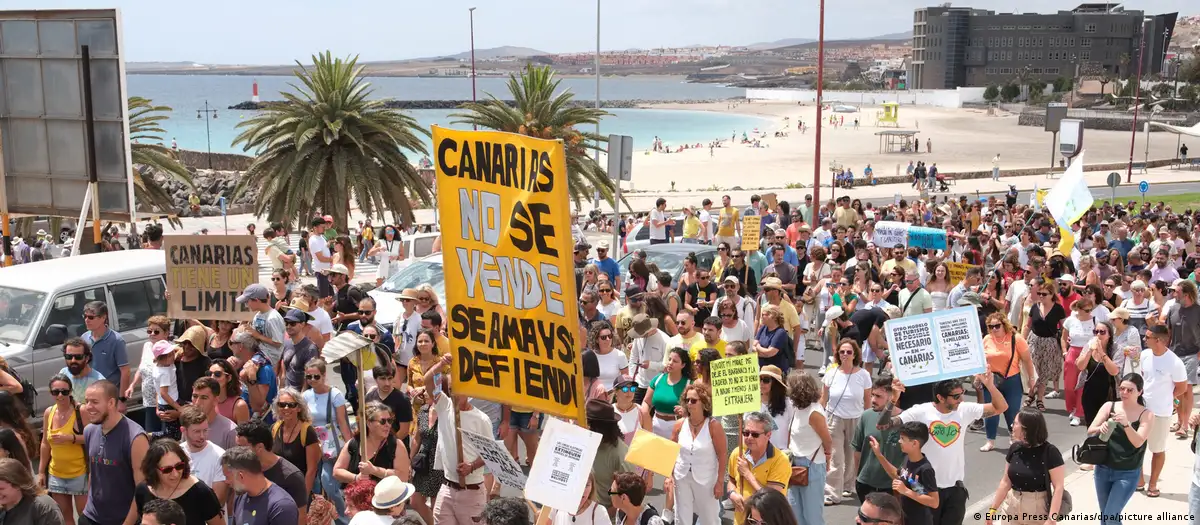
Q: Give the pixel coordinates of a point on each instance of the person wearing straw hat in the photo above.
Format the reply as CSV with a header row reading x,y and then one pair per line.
x,y
388,502
193,361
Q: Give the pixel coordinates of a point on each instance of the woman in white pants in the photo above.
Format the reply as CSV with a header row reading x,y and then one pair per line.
x,y
845,396
703,454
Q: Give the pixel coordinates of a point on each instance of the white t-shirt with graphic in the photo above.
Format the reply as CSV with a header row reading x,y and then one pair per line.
x,y
946,437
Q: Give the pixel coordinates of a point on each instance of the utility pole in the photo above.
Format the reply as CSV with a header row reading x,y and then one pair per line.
x,y
471,11
820,123
1137,101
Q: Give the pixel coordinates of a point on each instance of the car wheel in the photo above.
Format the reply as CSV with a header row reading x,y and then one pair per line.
x,y
66,236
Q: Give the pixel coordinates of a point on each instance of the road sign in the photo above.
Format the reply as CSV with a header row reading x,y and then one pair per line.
x,y
620,157
1114,179
1143,187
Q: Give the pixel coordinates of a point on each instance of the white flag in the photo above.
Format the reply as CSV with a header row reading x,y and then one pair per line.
x,y
1070,198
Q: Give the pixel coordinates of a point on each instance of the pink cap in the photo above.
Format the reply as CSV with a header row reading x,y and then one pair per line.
x,y
162,347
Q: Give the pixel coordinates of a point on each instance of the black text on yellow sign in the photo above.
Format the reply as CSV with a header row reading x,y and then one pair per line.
x,y
510,283
206,273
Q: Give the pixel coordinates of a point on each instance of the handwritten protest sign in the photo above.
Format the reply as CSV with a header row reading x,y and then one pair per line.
x,y
772,201
928,238
751,230
499,462
958,271
735,387
935,346
654,453
206,274
890,233
512,316
562,465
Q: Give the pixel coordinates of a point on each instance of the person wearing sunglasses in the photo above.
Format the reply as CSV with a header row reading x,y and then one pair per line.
x,y
158,328
699,473
1007,355
167,472
108,348
633,416
78,356
259,493
1041,332
293,436
757,464
328,409
302,349
947,416
1077,332
628,493
62,456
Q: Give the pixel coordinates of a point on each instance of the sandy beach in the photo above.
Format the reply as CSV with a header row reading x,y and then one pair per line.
x,y
963,140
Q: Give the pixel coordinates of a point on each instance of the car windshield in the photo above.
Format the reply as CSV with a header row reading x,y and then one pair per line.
x,y
670,262
416,274
18,313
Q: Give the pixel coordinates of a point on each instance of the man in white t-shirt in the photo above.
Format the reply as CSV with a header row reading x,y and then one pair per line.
x,y
659,222
947,417
205,457
707,226
687,335
462,496
320,317
1166,378
322,259
647,352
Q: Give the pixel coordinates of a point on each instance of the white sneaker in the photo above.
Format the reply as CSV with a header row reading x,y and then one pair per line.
x,y
1053,394
1075,421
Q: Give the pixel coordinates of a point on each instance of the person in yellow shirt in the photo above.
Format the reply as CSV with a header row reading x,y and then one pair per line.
x,y
691,226
712,339
729,224
756,464
899,258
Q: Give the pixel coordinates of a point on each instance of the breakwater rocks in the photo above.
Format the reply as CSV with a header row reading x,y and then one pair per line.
x,y
455,104
1121,121
211,185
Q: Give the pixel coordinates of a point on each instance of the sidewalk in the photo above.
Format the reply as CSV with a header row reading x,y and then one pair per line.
x,y
885,193
1170,507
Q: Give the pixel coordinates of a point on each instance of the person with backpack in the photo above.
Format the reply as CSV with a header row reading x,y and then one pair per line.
x,y
628,497
62,467
295,439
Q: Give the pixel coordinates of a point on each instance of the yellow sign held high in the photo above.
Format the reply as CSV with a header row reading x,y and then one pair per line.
x,y
751,231
512,307
735,387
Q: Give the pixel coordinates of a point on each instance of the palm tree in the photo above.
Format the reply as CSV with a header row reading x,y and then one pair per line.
x,y
329,144
541,113
149,155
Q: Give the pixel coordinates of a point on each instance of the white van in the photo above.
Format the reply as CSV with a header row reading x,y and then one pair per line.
x,y
41,305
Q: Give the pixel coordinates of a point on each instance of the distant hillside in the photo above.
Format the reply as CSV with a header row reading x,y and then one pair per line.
x,y
494,52
155,66
843,43
794,42
787,42
903,35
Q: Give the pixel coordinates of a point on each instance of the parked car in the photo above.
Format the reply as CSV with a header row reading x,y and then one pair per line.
x,y
639,236
416,246
41,306
427,270
669,258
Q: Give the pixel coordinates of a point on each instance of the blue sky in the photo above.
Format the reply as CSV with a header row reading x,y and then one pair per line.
x,y
280,31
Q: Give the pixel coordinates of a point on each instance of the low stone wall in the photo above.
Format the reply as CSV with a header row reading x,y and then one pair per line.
x,y
1116,123
1115,166
220,161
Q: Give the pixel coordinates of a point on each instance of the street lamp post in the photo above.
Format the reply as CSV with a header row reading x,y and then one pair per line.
x,y
471,11
820,95
208,115
1137,101
596,197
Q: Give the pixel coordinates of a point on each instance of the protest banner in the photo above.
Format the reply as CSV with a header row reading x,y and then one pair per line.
x,y
935,346
499,462
652,452
562,465
890,233
751,231
735,388
512,308
928,238
958,271
206,274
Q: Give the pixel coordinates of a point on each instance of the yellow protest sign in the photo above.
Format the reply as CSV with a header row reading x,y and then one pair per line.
x,y
958,271
653,453
751,229
512,308
735,385
206,274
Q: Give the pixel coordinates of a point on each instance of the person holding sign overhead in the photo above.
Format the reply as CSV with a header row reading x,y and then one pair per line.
x,y
463,496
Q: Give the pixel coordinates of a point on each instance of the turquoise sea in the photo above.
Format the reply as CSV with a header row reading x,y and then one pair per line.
x,y
185,94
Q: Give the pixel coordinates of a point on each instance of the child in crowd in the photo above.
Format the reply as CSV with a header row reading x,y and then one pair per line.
x,y
168,389
915,480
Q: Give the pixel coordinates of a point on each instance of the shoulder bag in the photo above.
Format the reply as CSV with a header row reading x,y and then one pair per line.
x,y
1093,450
329,450
1067,504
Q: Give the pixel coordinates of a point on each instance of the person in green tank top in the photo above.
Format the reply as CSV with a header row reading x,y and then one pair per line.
x,y
662,397
1125,426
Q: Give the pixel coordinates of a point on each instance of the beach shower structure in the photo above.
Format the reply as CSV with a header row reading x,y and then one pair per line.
x,y
889,117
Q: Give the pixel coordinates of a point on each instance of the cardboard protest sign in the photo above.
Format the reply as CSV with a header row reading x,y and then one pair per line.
x,y
751,232
890,233
772,201
654,453
928,238
562,465
512,308
206,274
958,271
499,462
735,388
935,346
